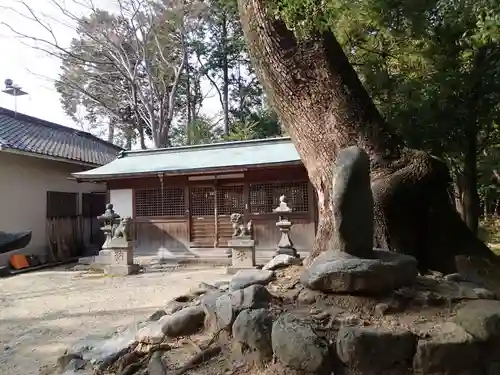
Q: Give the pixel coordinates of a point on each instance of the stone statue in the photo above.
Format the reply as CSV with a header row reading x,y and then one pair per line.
x,y
122,229
239,228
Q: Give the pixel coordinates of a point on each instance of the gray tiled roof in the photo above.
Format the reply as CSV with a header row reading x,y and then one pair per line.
x,y
24,133
194,159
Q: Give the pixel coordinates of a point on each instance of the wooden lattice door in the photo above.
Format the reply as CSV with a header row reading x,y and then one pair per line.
x,y
202,212
230,199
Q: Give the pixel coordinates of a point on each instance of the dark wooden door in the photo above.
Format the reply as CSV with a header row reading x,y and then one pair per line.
x,y
93,205
230,199
202,216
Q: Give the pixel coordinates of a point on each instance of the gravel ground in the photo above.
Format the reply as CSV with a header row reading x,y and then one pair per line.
x,y
42,313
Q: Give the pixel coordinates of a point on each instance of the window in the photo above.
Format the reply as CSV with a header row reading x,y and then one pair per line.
x,y
62,204
169,201
202,201
265,197
93,204
230,200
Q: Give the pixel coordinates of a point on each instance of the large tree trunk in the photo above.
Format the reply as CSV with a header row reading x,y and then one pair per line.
x,y
225,70
324,107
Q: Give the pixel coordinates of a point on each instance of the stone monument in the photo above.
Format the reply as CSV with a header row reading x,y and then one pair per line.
x,y
285,245
116,256
242,245
351,265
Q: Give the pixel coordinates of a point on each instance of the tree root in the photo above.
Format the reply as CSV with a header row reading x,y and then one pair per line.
x,y
415,215
205,355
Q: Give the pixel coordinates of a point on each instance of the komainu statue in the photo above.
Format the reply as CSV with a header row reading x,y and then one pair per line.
x,y
122,229
239,227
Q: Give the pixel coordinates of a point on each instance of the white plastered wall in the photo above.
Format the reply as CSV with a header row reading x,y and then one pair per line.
x,y
24,182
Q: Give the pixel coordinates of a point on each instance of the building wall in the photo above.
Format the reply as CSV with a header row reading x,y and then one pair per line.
x,y
122,200
24,182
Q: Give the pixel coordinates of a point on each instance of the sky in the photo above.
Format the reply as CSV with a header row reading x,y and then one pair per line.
x,y
33,69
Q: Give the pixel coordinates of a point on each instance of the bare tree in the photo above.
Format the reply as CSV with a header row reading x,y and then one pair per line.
x,y
125,63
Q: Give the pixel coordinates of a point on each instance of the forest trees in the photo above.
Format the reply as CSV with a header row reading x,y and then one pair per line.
x,y
145,69
324,107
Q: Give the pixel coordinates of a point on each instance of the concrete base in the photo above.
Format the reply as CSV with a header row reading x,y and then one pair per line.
x,y
121,270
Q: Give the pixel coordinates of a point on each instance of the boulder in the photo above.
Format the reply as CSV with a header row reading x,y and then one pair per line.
x,y
309,297
229,305
339,272
448,350
297,346
208,302
202,288
480,318
281,261
430,291
64,360
352,203
252,331
245,278
156,365
222,285
184,322
151,333
371,350
157,315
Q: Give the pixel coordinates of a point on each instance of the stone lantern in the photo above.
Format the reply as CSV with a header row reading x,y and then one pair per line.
x,y
285,245
108,219
116,255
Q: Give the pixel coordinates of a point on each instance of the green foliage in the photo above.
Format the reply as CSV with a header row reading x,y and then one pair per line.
x,y
242,131
430,66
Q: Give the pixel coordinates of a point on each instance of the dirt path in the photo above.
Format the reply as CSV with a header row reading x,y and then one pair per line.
x,y
42,313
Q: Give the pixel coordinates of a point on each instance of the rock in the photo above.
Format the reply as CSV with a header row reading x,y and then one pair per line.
x,y
174,306
480,318
252,330
281,261
245,278
352,202
131,369
157,315
208,302
429,291
229,305
100,349
156,365
380,309
64,360
373,351
222,285
203,288
449,350
297,346
341,272
472,291
151,333
184,322
308,296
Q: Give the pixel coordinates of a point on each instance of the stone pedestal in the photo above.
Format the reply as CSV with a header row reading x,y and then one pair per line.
x,y
285,245
121,260
119,257
116,256
242,254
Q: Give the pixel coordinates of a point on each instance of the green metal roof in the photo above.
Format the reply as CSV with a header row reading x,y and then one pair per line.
x,y
193,159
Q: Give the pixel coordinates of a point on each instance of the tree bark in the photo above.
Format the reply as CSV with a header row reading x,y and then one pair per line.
x,y
225,78
324,107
